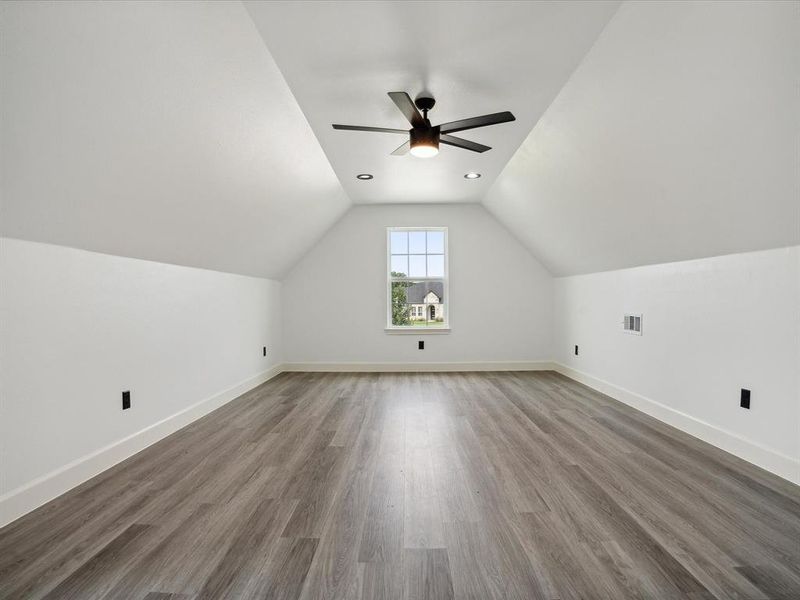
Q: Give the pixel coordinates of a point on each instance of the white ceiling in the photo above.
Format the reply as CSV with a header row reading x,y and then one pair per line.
x,y
341,58
676,138
165,130
157,130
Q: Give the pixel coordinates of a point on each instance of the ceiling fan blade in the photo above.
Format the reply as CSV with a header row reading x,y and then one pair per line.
x,y
408,108
474,122
458,142
403,149
378,129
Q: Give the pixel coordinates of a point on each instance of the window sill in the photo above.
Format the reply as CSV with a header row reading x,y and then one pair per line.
x,y
416,330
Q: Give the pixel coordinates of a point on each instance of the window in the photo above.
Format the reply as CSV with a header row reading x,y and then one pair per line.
x,y
417,295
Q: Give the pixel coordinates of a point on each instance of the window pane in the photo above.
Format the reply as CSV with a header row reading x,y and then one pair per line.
x,y
435,242
416,266
436,265
399,266
399,242
418,303
416,242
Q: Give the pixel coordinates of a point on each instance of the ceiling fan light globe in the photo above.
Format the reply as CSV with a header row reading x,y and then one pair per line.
x,y
424,150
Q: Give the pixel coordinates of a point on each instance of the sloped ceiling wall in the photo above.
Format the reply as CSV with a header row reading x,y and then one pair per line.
x,y
155,130
676,138
165,131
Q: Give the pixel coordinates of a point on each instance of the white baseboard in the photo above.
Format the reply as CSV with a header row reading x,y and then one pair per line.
x,y
766,458
26,498
417,367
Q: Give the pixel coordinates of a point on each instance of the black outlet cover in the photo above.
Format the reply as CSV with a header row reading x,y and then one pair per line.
x,y
744,400
576,350
126,400
421,345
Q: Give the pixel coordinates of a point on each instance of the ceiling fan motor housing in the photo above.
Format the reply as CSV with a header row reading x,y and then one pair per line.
x,y
425,103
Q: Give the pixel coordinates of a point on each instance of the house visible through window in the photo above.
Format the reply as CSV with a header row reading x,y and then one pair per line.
x,y
417,277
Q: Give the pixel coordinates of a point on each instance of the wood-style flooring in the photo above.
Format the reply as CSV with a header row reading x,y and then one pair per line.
x,y
411,486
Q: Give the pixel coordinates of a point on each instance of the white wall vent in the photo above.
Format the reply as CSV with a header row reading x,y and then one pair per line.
x,y
632,324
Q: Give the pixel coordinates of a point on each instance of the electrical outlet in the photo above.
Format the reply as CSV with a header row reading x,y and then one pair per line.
x,y
421,345
265,351
576,350
744,399
126,400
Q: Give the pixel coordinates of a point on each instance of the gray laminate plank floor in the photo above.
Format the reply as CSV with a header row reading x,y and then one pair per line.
x,y
416,486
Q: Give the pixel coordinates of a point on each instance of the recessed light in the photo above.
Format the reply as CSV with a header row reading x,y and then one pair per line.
x,y
472,175
364,176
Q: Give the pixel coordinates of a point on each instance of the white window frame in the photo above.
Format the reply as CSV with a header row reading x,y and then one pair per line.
x,y
412,329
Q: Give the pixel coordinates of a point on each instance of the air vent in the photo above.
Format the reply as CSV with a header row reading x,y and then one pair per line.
x,y
632,324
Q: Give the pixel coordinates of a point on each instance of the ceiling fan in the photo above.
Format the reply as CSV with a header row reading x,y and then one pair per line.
x,y
424,138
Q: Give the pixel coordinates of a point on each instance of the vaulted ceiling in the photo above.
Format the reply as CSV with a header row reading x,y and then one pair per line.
x,y
341,58
198,133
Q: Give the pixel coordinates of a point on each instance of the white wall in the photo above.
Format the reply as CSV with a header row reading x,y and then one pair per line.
x,y
77,328
335,298
710,327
